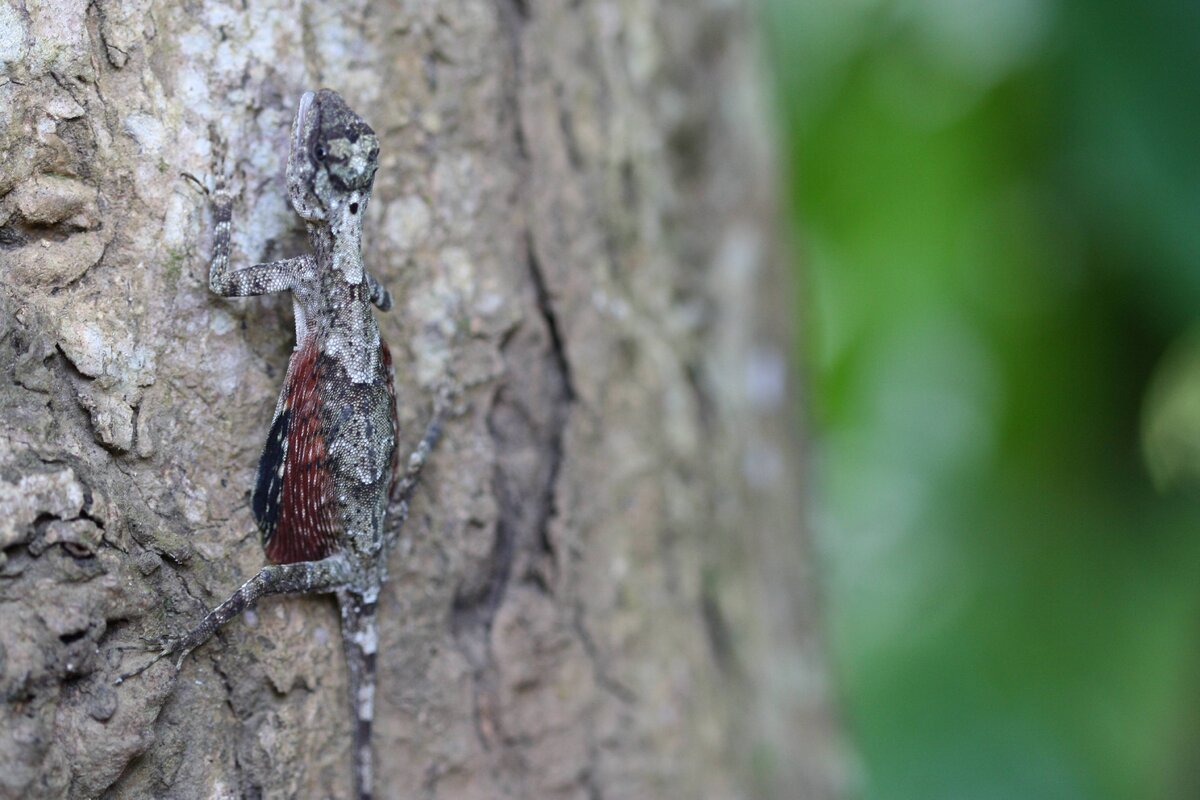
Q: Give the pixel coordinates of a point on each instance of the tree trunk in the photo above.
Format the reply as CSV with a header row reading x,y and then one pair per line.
x,y
602,589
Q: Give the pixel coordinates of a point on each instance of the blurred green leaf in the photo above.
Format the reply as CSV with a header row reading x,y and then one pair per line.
x,y
1171,427
997,208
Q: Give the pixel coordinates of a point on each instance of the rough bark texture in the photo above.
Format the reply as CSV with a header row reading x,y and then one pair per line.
x,y
602,590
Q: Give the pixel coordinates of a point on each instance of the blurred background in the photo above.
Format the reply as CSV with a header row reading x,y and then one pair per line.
x,y
996,208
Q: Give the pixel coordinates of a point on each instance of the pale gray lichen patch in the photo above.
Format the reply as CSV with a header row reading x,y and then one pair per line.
x,y
149,132
53,253
105,350
50,199
12,36
457,188
58,493
61,105
220,322
60,40
112,417
122,26
437,309
80,537
101,348
51,264
406,223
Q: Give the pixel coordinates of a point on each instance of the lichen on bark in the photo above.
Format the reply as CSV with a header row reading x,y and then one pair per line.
x,y
602,591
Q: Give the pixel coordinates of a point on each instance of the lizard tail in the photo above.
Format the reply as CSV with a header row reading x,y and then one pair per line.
x,y
360,637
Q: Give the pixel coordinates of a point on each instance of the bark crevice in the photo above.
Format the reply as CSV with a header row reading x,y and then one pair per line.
x,y
562,213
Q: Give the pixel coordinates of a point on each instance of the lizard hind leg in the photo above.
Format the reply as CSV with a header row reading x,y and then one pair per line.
x,y
304,577
404,485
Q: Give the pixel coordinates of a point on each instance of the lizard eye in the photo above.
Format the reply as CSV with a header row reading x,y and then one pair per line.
x,y
320,152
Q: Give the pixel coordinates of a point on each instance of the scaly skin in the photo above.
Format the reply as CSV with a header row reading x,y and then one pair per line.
x,y
329,473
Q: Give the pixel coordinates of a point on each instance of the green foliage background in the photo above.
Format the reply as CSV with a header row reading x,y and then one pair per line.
x,y
997,219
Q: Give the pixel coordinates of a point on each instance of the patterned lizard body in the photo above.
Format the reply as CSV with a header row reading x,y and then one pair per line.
x,y
328,472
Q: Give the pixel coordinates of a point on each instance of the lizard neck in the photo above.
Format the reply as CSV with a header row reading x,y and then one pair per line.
x,y
338,247
340,311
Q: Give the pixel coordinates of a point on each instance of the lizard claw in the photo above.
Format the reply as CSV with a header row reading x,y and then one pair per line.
x,y
161,646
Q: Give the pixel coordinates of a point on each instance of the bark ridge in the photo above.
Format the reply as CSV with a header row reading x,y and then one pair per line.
x,y
601,591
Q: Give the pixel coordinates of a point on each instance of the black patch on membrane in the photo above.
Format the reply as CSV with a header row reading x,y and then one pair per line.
x,y
269,488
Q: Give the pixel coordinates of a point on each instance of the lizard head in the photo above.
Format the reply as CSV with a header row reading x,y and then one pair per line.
x,y
332,162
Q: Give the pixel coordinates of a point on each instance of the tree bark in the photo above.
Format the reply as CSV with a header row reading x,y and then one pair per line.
x,y
603,589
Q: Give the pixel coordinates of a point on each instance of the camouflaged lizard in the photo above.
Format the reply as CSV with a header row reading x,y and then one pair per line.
x,y
328,474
